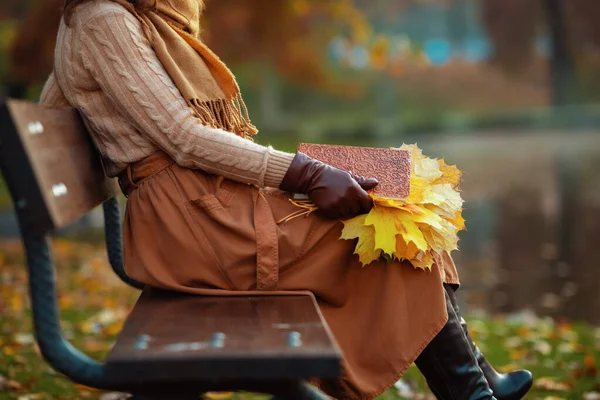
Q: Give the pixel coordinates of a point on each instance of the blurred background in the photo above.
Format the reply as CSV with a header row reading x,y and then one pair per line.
x,y
508,90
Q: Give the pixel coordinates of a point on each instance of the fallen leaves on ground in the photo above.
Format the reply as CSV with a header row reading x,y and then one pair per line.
x,y
93,303
7,384
219,396
552,385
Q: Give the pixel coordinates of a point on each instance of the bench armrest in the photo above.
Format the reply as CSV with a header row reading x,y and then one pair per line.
x,y
114,246
57,351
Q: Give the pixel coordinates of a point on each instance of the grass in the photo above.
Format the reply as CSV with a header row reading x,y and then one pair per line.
x,y
564,357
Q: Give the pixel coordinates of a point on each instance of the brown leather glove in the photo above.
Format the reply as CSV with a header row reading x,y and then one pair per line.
x,y
335,192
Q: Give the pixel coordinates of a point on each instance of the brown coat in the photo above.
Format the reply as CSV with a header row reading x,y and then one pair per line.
x,y
193,232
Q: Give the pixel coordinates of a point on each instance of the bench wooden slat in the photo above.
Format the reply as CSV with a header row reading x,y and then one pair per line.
x,y
180,337
50,164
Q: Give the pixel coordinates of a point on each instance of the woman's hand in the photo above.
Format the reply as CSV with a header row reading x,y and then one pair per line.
x,y
335,192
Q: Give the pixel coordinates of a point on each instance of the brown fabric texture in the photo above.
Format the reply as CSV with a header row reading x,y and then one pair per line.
x,y
189,231
209,87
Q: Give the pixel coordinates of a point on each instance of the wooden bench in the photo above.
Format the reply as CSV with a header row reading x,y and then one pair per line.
x,y
172,345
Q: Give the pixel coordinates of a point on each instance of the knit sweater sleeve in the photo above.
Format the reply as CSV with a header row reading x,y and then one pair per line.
x,y
115,51
51,95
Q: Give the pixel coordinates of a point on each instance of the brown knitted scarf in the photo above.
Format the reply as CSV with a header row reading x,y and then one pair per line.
x,y
209,87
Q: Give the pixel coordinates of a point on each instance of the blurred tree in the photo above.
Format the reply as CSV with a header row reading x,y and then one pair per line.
x,y
584,35
512,26
7,29
17,8
32,52
562,71
292,35
572,34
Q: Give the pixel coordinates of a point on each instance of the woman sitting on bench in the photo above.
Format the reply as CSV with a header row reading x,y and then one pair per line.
x,y
204,200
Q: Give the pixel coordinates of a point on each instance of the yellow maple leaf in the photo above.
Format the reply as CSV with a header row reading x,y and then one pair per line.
x,y
435,240
427,168
382,219
415,151
421,166
452,203
423,260
431,196
409,230
414,229
427,217
450,174
418,186
459,221
389,202
450,234
365,248
424,172
405,251
389,222
437,210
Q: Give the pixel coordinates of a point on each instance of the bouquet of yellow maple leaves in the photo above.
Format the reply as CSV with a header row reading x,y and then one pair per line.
x,y
412,229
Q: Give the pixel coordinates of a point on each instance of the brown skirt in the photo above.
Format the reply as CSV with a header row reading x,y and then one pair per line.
x,y
193,232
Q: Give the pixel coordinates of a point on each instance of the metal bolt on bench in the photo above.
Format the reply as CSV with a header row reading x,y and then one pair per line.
x,y
173,346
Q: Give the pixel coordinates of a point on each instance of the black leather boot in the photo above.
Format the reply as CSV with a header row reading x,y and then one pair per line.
x,y
510,386
450,366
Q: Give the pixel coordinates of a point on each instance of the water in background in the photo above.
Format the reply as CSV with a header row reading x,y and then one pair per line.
x,y
533,220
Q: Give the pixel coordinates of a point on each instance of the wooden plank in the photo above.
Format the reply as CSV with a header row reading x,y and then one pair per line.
x,y
20,178
55,173
181,337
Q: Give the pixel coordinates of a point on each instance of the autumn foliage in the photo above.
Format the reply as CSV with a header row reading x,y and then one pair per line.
x,y
417,228
289,35
32,52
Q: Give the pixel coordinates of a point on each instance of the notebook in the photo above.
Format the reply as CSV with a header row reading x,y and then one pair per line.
x,y
389,166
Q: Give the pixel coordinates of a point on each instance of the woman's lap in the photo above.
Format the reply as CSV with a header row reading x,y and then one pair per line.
x,y
189,231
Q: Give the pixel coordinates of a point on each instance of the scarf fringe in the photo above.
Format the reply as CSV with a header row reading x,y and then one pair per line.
x,y
229,115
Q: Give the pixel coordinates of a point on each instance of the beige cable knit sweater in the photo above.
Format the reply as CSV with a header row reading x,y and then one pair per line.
x,y
105,67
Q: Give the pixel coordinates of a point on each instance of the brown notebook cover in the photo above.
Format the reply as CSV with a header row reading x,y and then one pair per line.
x,y
390,167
